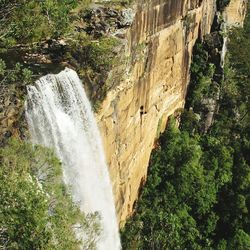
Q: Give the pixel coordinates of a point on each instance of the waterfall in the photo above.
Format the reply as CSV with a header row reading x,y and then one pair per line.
x,y
224,51
59,116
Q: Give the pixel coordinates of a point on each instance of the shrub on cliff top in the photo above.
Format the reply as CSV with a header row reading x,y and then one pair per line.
x,y
30,21
18,74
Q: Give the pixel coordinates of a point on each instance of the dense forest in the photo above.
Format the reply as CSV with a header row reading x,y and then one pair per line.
x,y
197,195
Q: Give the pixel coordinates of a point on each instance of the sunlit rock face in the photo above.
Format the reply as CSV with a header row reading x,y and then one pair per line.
x,y
159,45
235,12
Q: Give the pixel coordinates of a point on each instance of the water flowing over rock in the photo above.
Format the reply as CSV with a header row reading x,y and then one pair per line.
x,y
60,117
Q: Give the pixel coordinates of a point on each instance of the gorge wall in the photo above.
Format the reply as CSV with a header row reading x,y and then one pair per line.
x,y
159,47
235,12
158,38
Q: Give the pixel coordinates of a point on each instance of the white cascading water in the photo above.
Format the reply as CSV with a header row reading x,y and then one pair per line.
x,y
224,51
59,116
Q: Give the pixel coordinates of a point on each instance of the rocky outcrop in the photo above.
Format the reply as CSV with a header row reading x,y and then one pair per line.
x,y
12,120
235,12
158,50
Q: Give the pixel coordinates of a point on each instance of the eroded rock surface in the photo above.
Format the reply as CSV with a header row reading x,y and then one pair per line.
x,y
235,12
159,48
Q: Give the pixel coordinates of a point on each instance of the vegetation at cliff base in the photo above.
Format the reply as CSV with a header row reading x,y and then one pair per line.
x,y
197,195
37,211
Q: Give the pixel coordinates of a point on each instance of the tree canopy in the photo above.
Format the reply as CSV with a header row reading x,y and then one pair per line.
x,y
37,211
27,21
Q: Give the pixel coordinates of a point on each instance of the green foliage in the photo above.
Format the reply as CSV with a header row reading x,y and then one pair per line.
x,y
37,211
197,195
100,53
32,21
190,121
240,241
33,28
93,55
175,210
18,75
202,72
94,59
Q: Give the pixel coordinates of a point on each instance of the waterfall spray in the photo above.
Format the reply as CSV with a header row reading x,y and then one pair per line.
x,y
59,116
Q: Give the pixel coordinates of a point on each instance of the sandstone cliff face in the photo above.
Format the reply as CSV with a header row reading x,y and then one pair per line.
x,y
159,47
235,12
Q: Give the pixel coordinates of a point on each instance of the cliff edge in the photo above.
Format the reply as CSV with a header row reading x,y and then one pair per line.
x,y
158,45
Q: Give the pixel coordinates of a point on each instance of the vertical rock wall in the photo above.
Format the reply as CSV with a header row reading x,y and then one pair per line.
x,y
235,12
159,49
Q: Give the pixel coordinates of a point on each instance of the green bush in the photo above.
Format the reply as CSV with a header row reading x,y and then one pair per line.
x,y
32,21
36,209
176,207
94,60
18,75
